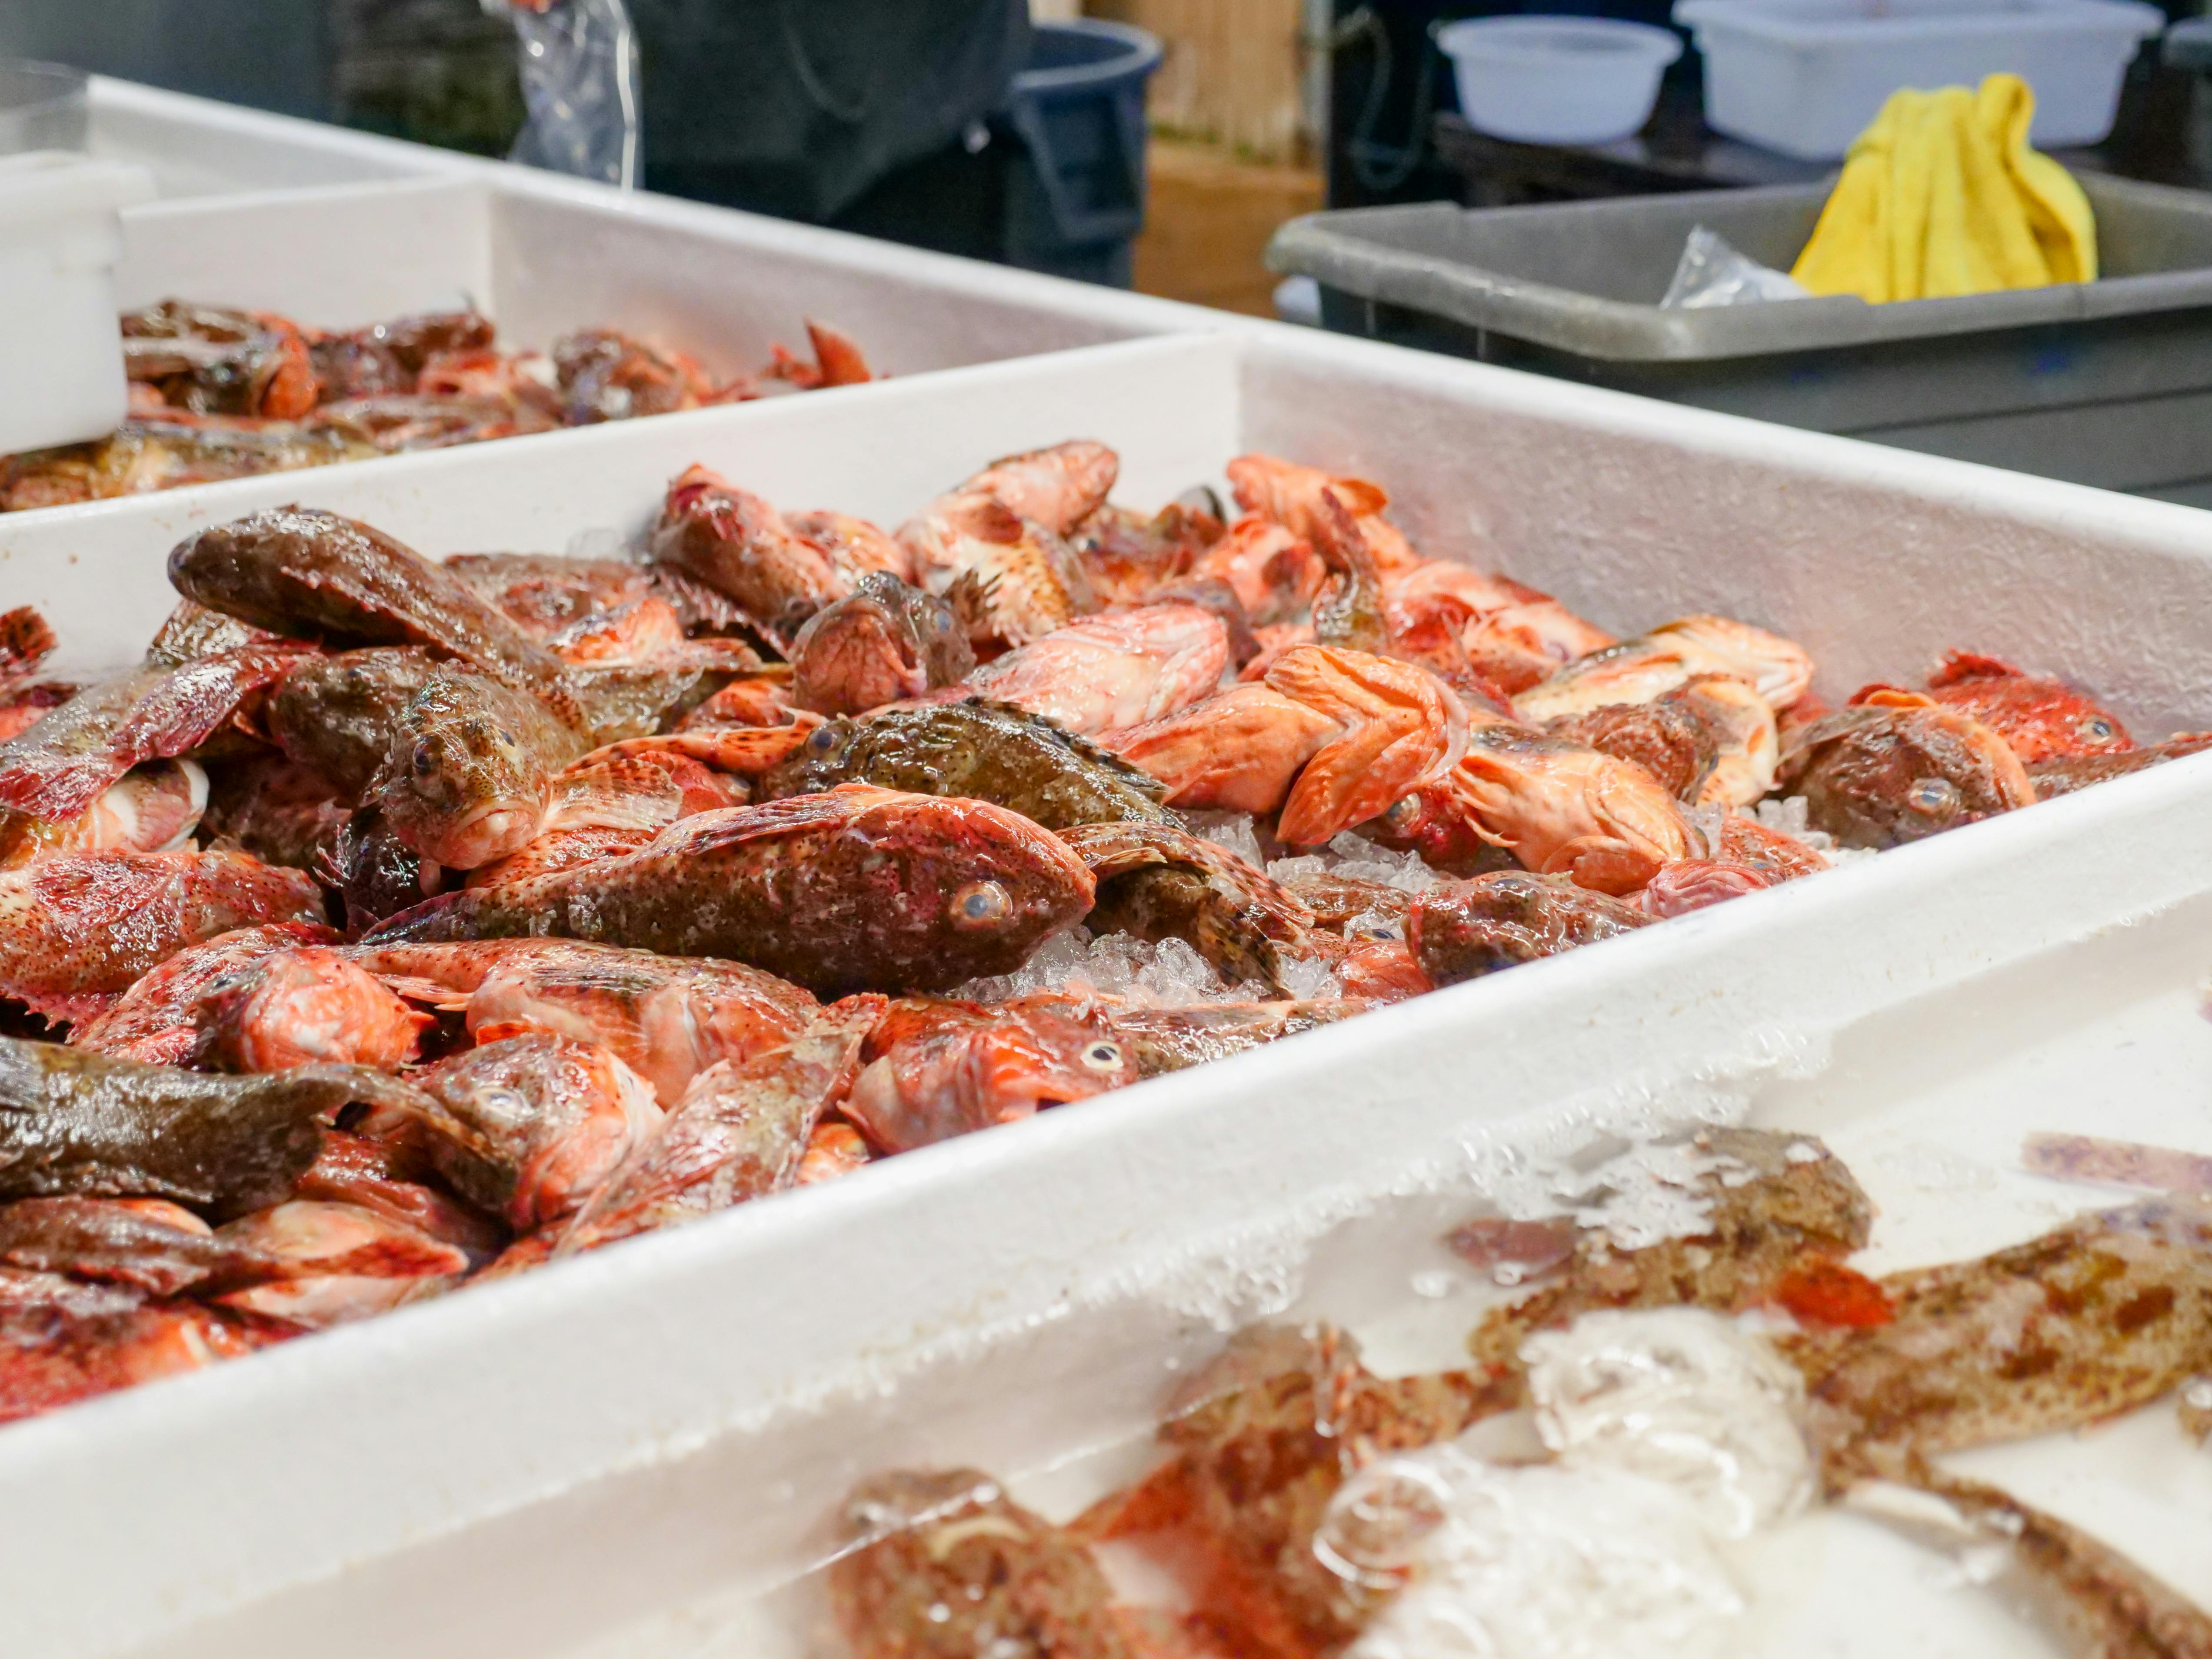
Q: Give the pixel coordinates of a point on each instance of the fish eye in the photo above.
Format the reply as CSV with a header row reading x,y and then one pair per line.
x,y
821,740
980,903
425,759
2096,727
1102,1056
1933,796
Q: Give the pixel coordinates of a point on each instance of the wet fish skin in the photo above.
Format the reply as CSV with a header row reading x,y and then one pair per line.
x,y
77,1124
1169,1039
860,889
61,765
740,1133
337,714
534,1124
300,571
1156,882
739,546
944,1564
1465,929
668,1017
147,1245
379,875
78,929
155,1020
469,772
882,641
1876,774
978,750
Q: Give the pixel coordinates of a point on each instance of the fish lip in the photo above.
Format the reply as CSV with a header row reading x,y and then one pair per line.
x,y
488,832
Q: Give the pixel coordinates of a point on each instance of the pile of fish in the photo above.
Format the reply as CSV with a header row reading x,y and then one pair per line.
x,y
1565,1493
398,923
217,392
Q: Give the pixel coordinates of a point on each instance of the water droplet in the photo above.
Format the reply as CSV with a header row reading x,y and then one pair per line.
x,y
1433,1284
939,1613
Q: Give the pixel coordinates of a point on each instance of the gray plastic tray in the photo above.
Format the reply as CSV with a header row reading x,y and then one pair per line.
x,y
2106,383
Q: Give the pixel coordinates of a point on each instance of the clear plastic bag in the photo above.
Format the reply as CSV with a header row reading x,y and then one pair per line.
x,y
580,83
1712,273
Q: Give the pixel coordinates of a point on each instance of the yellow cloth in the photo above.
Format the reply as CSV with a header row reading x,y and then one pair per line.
x,y
1942,196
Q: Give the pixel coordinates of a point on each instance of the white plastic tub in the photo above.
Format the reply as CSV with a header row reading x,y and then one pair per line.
x,y
542,256
60,239
1557,80
1806,76
606,1458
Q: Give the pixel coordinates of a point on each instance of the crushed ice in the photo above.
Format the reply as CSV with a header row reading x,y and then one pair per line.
x,y
1168,974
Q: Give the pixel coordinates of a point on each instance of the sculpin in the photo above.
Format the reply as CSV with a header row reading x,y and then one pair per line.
x,y
300,571
337,714
1889,771
1465,929
78,929
157,1019
75,1123
532,1125
740,545
1157,882
982,751
884,642
938,1068
858,889
946,1566
64,762
469,775
668,1017
740,1133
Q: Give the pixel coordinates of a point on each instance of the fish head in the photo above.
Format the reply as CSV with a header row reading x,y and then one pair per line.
x,y
2042,719
937,1068
464,783
866,649
823,760
1881,774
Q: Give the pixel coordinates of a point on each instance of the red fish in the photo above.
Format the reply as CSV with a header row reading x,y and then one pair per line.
x,y
78,929
936,1069
157,1019
2042,719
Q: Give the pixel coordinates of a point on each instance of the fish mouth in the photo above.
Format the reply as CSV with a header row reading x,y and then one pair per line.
x,y
488,833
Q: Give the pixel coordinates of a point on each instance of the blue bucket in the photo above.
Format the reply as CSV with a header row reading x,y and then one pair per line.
x,y
1078,107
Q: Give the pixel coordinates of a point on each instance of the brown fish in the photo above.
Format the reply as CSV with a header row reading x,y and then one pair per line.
x,y
276,809
388,356
215,361
1464,929
298,571
468,776
2064,775
983,751
945,1566
1157,882
335,715
78,929
79,1124
739,546
144,1244
1886,772
883,642
2089,1321
379,875
859,889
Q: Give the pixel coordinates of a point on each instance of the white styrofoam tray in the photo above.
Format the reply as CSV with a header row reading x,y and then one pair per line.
x,y
200,147
542,256
550,1461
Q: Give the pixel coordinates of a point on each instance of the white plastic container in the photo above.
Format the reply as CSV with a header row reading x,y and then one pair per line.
x,y
60,240
576,1462
1557,80
1806,76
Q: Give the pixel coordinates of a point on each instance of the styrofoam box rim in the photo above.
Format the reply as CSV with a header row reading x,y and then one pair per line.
x,y
197,1495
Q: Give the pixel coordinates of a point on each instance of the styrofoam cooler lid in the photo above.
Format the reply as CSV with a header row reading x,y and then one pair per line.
x,y
60,239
